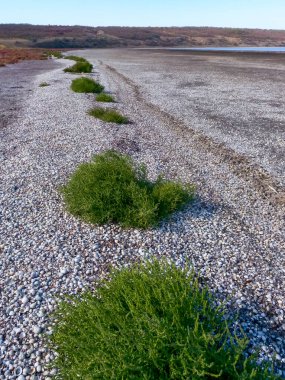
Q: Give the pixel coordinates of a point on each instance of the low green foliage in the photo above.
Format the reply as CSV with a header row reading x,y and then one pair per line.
x,y
109,115
151,322
105,98
75,58
43,84
79,67
87,85
112,189
54,53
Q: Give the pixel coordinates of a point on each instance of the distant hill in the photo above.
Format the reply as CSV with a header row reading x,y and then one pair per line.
x,y
55,36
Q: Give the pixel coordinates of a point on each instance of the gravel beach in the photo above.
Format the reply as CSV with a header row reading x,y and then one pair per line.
x,y
215,120
16,86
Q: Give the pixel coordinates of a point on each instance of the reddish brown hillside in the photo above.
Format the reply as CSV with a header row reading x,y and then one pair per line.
x,y
16,55
55,36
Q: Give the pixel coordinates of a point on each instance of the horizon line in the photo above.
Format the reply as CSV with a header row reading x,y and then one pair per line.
x,y
133,26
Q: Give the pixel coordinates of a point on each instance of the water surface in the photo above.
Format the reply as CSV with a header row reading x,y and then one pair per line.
x,y
265,49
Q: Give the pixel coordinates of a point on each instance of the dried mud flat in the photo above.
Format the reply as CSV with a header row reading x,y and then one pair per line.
x,y
211,119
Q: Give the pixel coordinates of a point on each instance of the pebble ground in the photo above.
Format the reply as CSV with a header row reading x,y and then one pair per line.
x,y
233,234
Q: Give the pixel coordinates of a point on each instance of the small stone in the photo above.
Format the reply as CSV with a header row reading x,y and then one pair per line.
x,y
26,371
35,275
37,330
63,272
25,300
18,371
41,313
17,330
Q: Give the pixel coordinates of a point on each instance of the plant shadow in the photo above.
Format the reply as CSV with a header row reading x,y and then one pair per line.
x,y
199,208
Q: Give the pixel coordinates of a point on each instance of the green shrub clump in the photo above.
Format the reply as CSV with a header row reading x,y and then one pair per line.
x,y
151,322
112,189
43,84
105,98
109,115
86,85
79,67
75,58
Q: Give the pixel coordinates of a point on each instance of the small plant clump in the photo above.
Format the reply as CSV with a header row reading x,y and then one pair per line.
x,y
54,53
151,321
79,67
43,84
105,98
108,115
75,58
86,85
112,189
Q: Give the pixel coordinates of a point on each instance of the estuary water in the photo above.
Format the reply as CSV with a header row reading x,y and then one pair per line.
x,y
239,49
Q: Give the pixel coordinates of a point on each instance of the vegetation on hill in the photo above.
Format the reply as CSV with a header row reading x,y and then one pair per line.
x,y
54,36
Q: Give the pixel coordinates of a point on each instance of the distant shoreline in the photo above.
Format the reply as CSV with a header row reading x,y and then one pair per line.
x,y
226,49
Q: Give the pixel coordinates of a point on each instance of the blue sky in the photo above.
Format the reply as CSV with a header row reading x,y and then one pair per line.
x,y
268,14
